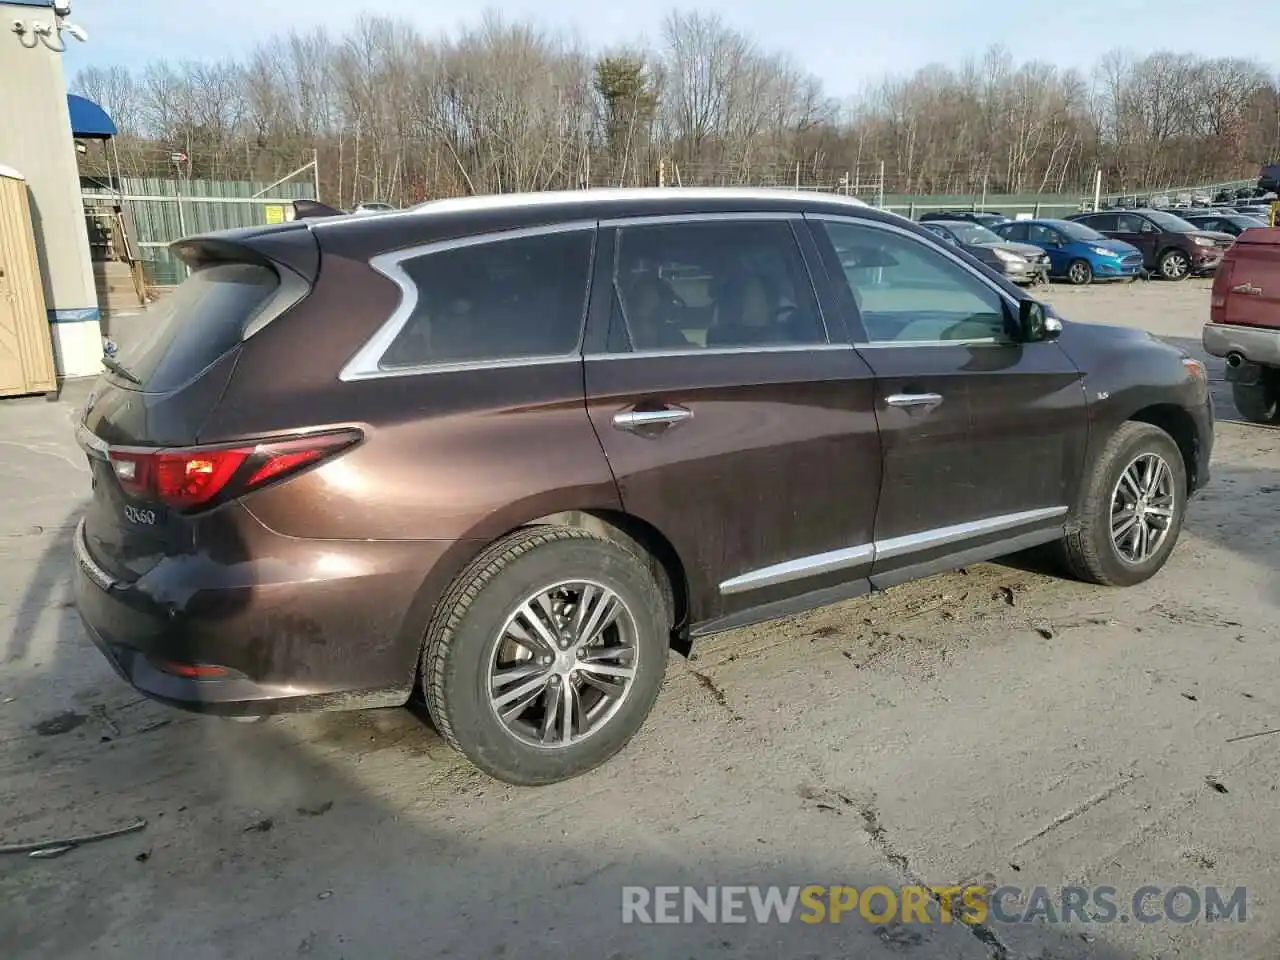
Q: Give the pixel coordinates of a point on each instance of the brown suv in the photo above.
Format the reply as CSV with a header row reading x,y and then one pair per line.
x,y
1171,247
507,451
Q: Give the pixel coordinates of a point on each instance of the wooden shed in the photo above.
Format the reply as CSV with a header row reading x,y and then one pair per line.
x,y
26,344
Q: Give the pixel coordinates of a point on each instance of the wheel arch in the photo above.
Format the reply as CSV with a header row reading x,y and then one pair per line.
x,y
1179,424
646,540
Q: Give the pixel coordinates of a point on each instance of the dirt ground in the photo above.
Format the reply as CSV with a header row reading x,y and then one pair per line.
x,y
996,725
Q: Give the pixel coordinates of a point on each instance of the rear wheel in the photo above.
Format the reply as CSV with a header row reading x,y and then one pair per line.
x,y
1079,272
1174,265
1259,402
1131,510
546,655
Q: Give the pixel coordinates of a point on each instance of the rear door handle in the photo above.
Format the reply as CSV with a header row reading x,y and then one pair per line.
x,y
651,421
927,400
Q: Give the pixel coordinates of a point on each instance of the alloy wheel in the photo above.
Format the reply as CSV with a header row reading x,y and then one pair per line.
x,y
1079,272
1142,508
563,664
1175,266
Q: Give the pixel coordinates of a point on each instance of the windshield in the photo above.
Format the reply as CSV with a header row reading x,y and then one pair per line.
x,y
1169,222
1078,231
974,233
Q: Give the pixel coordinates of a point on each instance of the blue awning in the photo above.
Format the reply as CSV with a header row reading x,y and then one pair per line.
x,y
88,120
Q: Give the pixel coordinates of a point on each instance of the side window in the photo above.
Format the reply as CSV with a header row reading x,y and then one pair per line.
x,y
1129,223
521,297
1039,233
1017,232
1102,222
711,284
907,291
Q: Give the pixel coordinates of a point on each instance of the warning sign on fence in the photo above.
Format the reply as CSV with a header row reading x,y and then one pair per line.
x,y
275,213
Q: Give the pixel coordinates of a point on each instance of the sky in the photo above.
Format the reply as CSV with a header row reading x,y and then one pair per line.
x,y
849,45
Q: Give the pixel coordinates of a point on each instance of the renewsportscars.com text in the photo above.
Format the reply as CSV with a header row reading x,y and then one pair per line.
x,y
971,904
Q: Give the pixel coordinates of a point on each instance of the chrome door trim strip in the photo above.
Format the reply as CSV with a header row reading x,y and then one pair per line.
x,y
942,536
799,568
834,560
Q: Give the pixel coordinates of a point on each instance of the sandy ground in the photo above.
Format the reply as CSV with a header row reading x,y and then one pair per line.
x,y
996,725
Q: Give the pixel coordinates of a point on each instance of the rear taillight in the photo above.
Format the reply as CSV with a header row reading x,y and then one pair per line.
x,y
1218,295
203,476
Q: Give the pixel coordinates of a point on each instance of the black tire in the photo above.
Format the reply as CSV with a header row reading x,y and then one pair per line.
x,y
1174,265
1259,402
460,644
1079,273
1088,548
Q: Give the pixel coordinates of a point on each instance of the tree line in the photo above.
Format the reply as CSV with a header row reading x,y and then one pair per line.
x,y
506,105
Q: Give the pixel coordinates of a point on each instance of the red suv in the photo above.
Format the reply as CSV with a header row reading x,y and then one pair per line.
x,y
505,452
1244,323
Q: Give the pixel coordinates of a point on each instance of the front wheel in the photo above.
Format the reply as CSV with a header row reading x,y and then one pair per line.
x,y
546,654
1079,272
1174,265
1259,402
1131,509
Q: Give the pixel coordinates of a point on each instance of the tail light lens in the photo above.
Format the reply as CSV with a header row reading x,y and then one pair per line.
x,y
1218,295
205,476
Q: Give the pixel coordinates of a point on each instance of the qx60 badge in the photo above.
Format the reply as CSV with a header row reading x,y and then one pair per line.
x,y
135,515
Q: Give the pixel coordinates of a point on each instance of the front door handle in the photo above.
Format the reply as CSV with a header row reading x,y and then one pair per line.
x,y
927,400
651,422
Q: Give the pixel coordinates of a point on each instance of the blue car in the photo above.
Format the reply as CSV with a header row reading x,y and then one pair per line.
x,y
1077,253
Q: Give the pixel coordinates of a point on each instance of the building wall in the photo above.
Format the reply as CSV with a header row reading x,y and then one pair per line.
x,y
35,139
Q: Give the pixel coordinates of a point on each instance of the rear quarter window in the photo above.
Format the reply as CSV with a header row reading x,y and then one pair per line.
x,y
495,300
190,328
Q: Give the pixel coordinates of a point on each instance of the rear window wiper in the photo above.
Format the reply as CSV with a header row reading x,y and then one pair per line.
x,y
115,367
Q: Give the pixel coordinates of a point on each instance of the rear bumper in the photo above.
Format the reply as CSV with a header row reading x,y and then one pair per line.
x,y
1258,345
284,638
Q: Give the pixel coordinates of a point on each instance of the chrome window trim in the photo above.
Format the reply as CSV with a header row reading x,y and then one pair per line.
x,y
845,557
719,351
365,364
1004,295
660,219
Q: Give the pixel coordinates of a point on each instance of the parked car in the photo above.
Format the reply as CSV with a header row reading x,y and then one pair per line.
x,y
1076,252
1258,211
986,218
1170,246
1161,201
507,451
1222,221
1020,262
1244,323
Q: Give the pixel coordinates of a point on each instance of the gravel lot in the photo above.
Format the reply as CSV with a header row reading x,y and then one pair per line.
x,y
996,725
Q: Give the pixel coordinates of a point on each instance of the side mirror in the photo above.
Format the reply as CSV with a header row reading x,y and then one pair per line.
x,y
1034,324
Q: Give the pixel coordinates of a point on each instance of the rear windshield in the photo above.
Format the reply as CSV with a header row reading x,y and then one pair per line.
x,y
191,327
